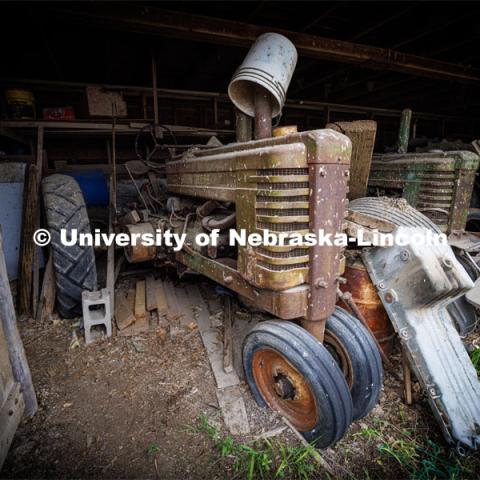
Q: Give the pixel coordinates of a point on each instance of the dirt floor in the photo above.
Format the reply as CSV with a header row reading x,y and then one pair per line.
x,y
132,408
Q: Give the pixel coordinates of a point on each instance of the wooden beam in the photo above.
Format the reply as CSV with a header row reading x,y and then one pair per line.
x,y
25,277
36,249
157,21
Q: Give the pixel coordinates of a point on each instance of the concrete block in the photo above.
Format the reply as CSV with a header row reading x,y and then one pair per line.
x,y
96,311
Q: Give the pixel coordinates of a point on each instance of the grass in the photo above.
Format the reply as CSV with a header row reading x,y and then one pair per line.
x,y
153,449
386,450
420,459
475,357
260,458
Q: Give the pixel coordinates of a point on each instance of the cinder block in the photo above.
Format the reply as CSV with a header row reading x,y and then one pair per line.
x,y
96,311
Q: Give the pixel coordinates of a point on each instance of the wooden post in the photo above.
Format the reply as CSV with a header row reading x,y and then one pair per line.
x,y
26,249
46,301
18,359
36,250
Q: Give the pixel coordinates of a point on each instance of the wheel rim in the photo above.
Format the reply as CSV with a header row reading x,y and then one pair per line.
x,y
337,350
284,388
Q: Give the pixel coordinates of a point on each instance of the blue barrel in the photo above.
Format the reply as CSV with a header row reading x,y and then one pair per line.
x,y
93,184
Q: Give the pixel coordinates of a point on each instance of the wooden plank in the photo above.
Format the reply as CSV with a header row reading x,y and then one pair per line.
x,y
47,295
137,328
36,249
160,298
124,316
131,298
174,311
233,409
16,352
10,415
26,249
227,334
140,311
211,341
151,297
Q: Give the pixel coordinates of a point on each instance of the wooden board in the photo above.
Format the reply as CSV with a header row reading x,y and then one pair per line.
x,y
140,311
124,316
151,297
227,334
47,295
213,344
11,413
161,299
25,279
233,409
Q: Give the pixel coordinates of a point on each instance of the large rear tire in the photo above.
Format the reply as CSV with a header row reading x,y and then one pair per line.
x,y
291,372
74,265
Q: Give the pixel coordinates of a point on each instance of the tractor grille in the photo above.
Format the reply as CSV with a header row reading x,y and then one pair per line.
x,y
436,195
282,205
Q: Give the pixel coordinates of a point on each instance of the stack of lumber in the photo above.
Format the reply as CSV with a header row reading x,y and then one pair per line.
x,y
140,309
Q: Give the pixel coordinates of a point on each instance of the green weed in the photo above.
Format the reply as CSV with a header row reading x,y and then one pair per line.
x,y
475,357
261,458
417,460
153,449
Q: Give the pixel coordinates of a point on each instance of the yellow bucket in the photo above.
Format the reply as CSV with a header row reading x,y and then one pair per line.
x,y
21,104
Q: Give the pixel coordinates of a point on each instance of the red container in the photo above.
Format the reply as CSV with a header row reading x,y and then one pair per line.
x,y
59,113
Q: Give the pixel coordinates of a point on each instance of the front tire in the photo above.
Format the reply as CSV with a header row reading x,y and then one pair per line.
x,y
291,372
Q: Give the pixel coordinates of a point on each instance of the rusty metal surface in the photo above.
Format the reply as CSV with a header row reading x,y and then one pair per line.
x,y
365,296
362,135
438,184
404,131
140,253
328,205
243,126
285,130
284,388
262,121
268,180
287,304
293,184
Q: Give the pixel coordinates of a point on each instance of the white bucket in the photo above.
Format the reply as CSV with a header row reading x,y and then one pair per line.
x,y
270,62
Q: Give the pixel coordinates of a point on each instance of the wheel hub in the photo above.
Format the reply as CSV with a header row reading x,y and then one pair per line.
x,y
284,388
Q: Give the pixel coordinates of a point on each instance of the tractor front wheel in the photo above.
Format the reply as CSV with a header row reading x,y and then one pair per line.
x,y
291,372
